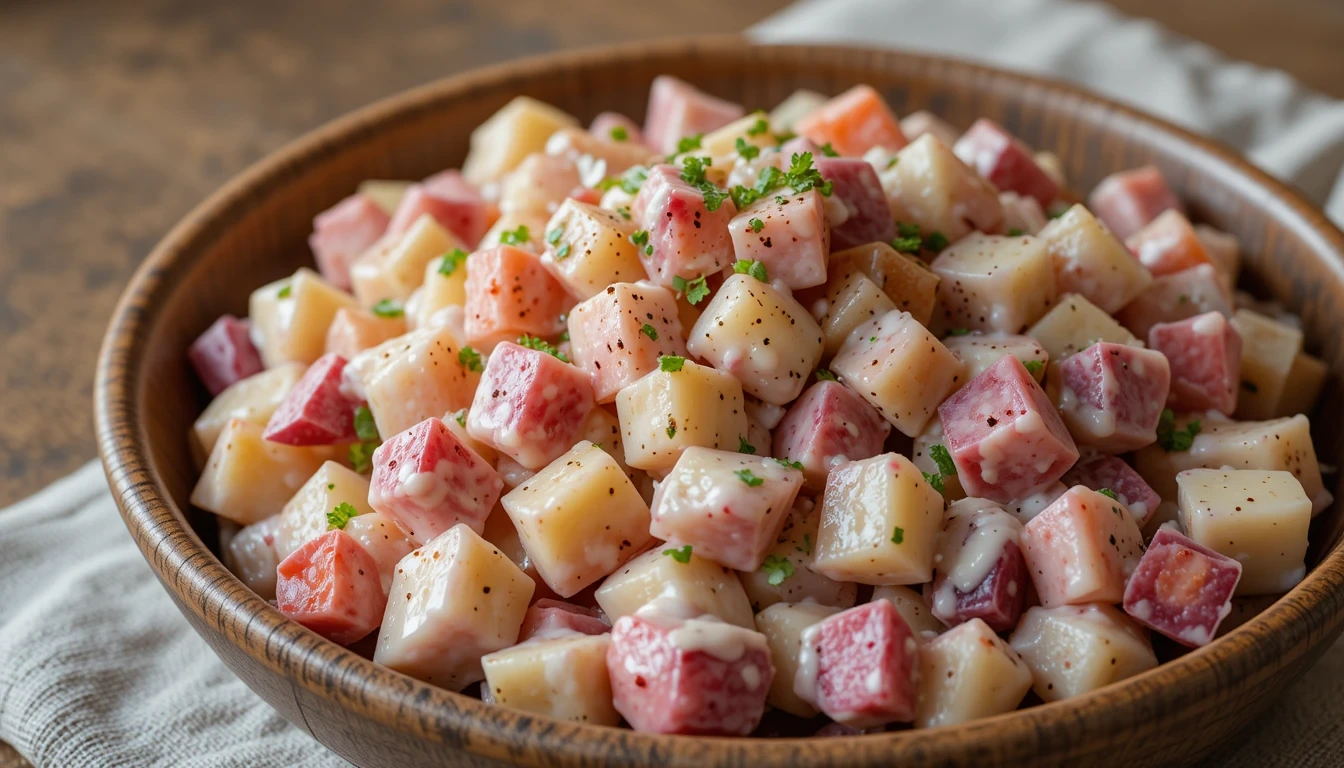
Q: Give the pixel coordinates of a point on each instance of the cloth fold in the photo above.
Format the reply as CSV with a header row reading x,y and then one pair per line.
x,y
97,667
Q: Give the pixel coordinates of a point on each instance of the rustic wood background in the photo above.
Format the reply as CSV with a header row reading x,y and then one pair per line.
x,y
117,118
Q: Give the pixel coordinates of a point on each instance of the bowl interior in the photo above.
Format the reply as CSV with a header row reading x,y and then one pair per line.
x,y
255,229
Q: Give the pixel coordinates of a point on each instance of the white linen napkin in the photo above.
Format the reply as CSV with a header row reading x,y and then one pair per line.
x,y
97,667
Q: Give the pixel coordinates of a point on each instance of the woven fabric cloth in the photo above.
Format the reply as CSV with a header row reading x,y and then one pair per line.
x,y
97,667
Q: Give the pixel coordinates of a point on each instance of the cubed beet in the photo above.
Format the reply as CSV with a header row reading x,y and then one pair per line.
x,y
859,666
1111,395
315,412
1181,589
224,354
331,586
529,405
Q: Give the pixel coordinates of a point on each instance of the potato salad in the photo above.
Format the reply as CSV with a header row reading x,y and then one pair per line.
x,y
820,415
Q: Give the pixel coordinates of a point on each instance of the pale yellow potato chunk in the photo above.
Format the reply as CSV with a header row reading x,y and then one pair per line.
x,y
598,157
250,557
931,187
562,677
849,303
1268,350
879,523
510,222
413,377
722,142
253,399
760,335
1074,324
1074,649
994,283
1305,380
305,515
666,412
796,543
396,269
592,249
967,673
703,584
981,350
1258,518
906,280
445,285
247,479
913,608
452,601
579,518
293,327
384,193
383,540
1092,262
798,105
783,625
517,130
539,184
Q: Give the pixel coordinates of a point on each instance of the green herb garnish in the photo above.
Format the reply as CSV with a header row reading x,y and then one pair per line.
x,y
1175,440
470,359
681,554
340,515
671,363
744,447
650,331
754,268
747,477
451,261
389,308
777,569
541,345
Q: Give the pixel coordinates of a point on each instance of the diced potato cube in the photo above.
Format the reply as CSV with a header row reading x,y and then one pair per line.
x,y
330,585
1268,350
224,354
1112,473
1112,395
879,523
913,608
685,238
721,143
563,677
247,478
252,557
1302,390
1074,324
354,330
617,335
290,317
677,109
343,232
979,572
1205,356
851,300
1258,518
783,625
522,229
539,184
397,270
795,582
509,295
1074,649
598,151
253,400
790,238
529,405
906,280
930,187
1023,214
1128,200
1081,549
698,582
799,104
917,124
1181,589
1174,297
580,518
445,285
1168,244
967,673
995,283
1090,261
829,426
1004,160
668,411
304,516
455,203
859,666
517,130
413,377
592,248
857,207
383,540
386,194
854,122
979,351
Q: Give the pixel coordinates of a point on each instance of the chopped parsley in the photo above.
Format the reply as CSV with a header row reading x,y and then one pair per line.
x,y
693,173
892,162
680,554
519,236
1033,366
907,230
802,176
825,375
451,261
624,211
541,345
562,252
640,238
650,331
757,128
747,477
389,308
461,417
1182,299
688,143
790,463
714,196
938,453
696,290
746,151
776,569
907,244
936,241
361,455
898,535
340,515
285,292
958,331
744,447
671,363
754,268
828,150
671,429
756,224
1175,440
1107,492
365,428
554,235
1015,232
470,359
629,182
619,133
806,548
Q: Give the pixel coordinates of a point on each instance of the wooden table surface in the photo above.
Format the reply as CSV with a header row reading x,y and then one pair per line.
x,y
117,118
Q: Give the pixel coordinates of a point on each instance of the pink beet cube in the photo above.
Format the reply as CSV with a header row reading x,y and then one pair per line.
x,y
1181,589
856,189
708,678
1008,163
315,412
1114,474
1111,395
606,122
510,294
427,480
678,109
331,586
529,405
859,666
224,354
827,426
1081,548
1175,297
790,238
999,599
617,336
686,239
1168,244
1128,200
343,232
1205,356
1004,434
453,206
550,618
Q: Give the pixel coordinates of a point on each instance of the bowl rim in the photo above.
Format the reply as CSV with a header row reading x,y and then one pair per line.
x,y
1312,610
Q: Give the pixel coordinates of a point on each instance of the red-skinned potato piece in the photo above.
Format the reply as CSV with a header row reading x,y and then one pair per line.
x,y
678,109
1004,434
331,586
859,666
853,123
453,205
1126,201
343,232
315,412
979,571
1112,473
618,335
855,190
550,618
224,354
1181,589
510,294
827,426
686,239
1111,395
428,480
1008,163
529,405
1205,356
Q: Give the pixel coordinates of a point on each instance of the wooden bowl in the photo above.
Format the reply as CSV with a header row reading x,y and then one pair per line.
x,y
254,230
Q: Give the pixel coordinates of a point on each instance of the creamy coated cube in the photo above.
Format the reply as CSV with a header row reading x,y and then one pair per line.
x,y
248,478
895,364
252,557
428,481
529,405
917,124
1128,200
979,572
253,400
580,518
1258,518
305,515
1006,162
1112,395
1004,434
547,618
857,208
1074,324
290,317
561,677
728,506
1224,251
413,377
510,294
1168,244
905,279
853,122
1081,549
540,183
330,585
1114,474
826,427
343,232
445,286
1174,297
524,229
783,625
786,573
684,238
913,608
383,540
720,144
1268,350
1205,356
680,574
1074,649
394,271
224,354
452,601
589,248
1302,390
681,405
967,673
314,411
1090,261
859,666
995,283
517,130
790,238
678,109
1181,589
1022,213
354,330
979,351
617,336
879,523
456,204
799,104
930,187
603,147
851,300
